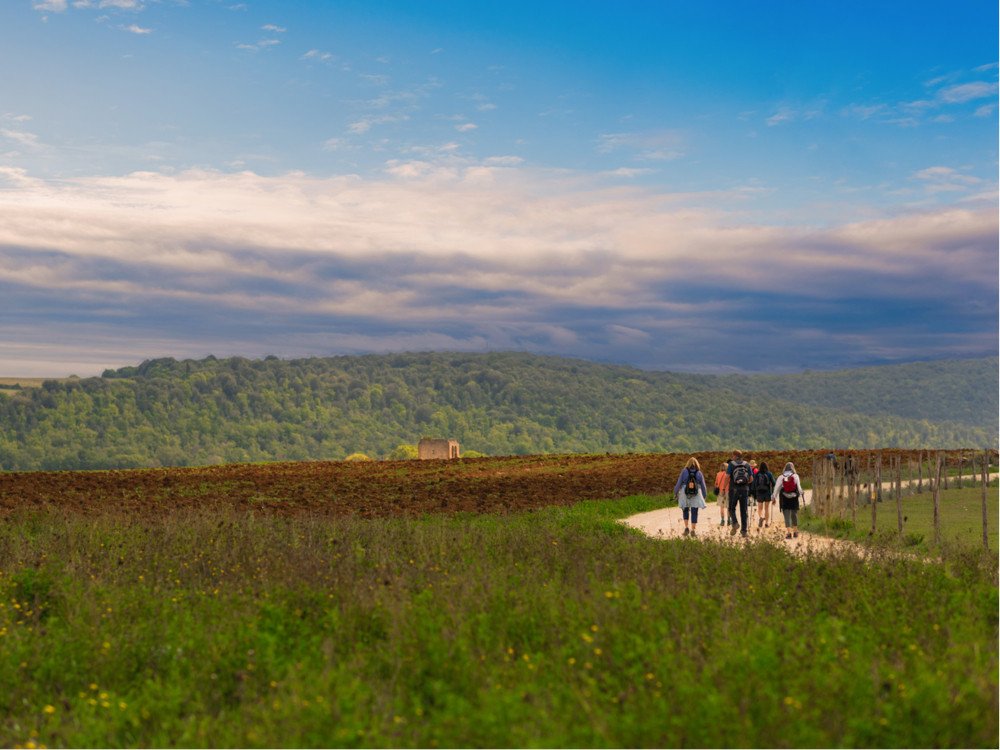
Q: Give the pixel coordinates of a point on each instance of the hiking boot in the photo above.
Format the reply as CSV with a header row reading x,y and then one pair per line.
x,y
732,529
796,535
693,534
743,533
722,522
760,523
686,531
788,536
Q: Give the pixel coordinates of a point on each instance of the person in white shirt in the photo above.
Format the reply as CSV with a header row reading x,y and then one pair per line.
x,y
788,491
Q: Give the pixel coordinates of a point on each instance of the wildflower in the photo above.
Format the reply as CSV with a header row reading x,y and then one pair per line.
x,y
50,709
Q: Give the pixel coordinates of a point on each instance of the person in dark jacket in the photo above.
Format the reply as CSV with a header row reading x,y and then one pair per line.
x,y
690,492
740,481
763,485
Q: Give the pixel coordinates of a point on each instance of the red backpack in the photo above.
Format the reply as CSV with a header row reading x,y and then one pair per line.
x,y
788,485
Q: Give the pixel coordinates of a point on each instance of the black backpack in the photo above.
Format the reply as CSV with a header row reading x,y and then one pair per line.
x,y
691,487
741,475
762,484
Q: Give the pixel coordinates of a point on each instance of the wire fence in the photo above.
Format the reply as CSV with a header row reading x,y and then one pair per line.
x,y
848,486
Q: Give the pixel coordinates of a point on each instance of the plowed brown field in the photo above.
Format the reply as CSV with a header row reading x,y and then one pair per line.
x,y
368,488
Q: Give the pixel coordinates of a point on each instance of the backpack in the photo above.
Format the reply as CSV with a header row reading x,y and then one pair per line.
x,y
691,487
761,484
741,475
788,485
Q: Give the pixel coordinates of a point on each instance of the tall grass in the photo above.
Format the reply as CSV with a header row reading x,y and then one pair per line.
x,y
555,628
960,522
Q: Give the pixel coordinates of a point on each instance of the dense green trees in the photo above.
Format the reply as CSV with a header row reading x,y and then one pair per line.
x,y
165,412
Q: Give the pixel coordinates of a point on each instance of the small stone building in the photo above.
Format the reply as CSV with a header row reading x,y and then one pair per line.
x,y
437,448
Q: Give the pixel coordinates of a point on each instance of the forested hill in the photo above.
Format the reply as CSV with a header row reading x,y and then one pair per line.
x,y
166,412
964,391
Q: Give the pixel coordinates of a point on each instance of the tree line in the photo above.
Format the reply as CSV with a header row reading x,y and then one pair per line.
x,y
165,412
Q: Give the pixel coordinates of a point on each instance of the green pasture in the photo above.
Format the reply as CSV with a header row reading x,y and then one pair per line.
x,y
559,628
960,520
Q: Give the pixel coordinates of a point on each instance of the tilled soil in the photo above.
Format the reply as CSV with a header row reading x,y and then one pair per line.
x,y
369,488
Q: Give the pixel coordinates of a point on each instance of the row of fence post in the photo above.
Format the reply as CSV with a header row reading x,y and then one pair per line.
x,y
840,490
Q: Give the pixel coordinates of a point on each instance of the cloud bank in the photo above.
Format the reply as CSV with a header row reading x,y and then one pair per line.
x,y
106,271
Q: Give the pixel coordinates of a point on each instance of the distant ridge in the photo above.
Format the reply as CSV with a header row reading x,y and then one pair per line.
x,y
169,412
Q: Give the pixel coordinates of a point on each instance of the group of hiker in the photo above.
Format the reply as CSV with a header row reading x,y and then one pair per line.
x,y
735,484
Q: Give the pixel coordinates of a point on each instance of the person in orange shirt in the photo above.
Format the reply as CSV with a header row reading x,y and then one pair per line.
x,y
722,493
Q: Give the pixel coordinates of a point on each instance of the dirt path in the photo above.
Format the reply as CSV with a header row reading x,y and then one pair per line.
x,y
668,523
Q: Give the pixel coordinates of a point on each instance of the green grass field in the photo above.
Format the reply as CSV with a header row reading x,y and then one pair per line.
x,y
960,521
26,382
559,628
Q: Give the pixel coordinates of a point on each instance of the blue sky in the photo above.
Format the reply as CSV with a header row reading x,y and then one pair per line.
x,y
711,187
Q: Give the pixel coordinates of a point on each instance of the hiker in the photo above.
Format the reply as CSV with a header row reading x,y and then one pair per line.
x,y
690,492
740,479
788,490
763,485
722,493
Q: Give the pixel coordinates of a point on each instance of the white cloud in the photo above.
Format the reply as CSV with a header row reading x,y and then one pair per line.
x,y
630,172
653,145
22,138
967,91
503,161
946,179
782,115
135,29
272,27
490,249
465,127
986,110
315,54
365,123
56,6
123,4
863,112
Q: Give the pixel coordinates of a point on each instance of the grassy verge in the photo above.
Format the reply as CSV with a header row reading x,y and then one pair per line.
x,y
555,628
961,521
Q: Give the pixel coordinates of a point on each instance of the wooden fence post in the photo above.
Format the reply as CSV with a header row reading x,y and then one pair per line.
x,y
868,492
873,502
831,487
840,498
899,494
878,483
985,480
937,498
816,509
920,471
960,470
944,459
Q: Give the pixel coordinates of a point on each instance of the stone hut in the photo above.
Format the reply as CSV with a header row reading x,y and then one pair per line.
x,y
437,448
